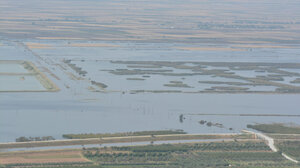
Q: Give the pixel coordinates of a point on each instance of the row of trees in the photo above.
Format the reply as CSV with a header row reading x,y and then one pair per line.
x,y
28,139
90,154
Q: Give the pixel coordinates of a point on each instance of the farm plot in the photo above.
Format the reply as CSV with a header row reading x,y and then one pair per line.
x,y
42,157
23,76
188,77
290,147
212,154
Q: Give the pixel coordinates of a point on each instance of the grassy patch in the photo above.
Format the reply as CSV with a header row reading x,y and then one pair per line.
x,y
276,128
214,154
291,148
138,79
296,80
179,84
99,84
140,133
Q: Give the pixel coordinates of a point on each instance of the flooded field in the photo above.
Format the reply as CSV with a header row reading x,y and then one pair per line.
x,y
121,87
20,76
139,83
160,77
19,83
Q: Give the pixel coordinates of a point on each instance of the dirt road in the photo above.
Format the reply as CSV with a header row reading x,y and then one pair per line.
x,y
270,142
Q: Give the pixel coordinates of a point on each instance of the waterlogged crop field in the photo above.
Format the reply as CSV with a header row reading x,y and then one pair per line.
x,y
154,66
23,76
115,87
189,77
90,68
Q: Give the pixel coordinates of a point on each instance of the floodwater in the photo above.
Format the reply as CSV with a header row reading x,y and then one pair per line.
x,y
20,83
75,109
14,77
11,68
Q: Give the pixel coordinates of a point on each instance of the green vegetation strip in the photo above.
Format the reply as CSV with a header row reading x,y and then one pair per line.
x,y
285,136
199,68
248,115
125,139
140,133
276,128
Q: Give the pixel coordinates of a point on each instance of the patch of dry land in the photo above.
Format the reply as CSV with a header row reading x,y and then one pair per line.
x,y
221,154
154,21
57,156
261,46
92,45
210,49
38,46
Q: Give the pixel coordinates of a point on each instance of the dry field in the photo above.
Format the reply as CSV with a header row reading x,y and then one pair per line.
x,y
55,156
92,45
210,49
38,46
218,22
